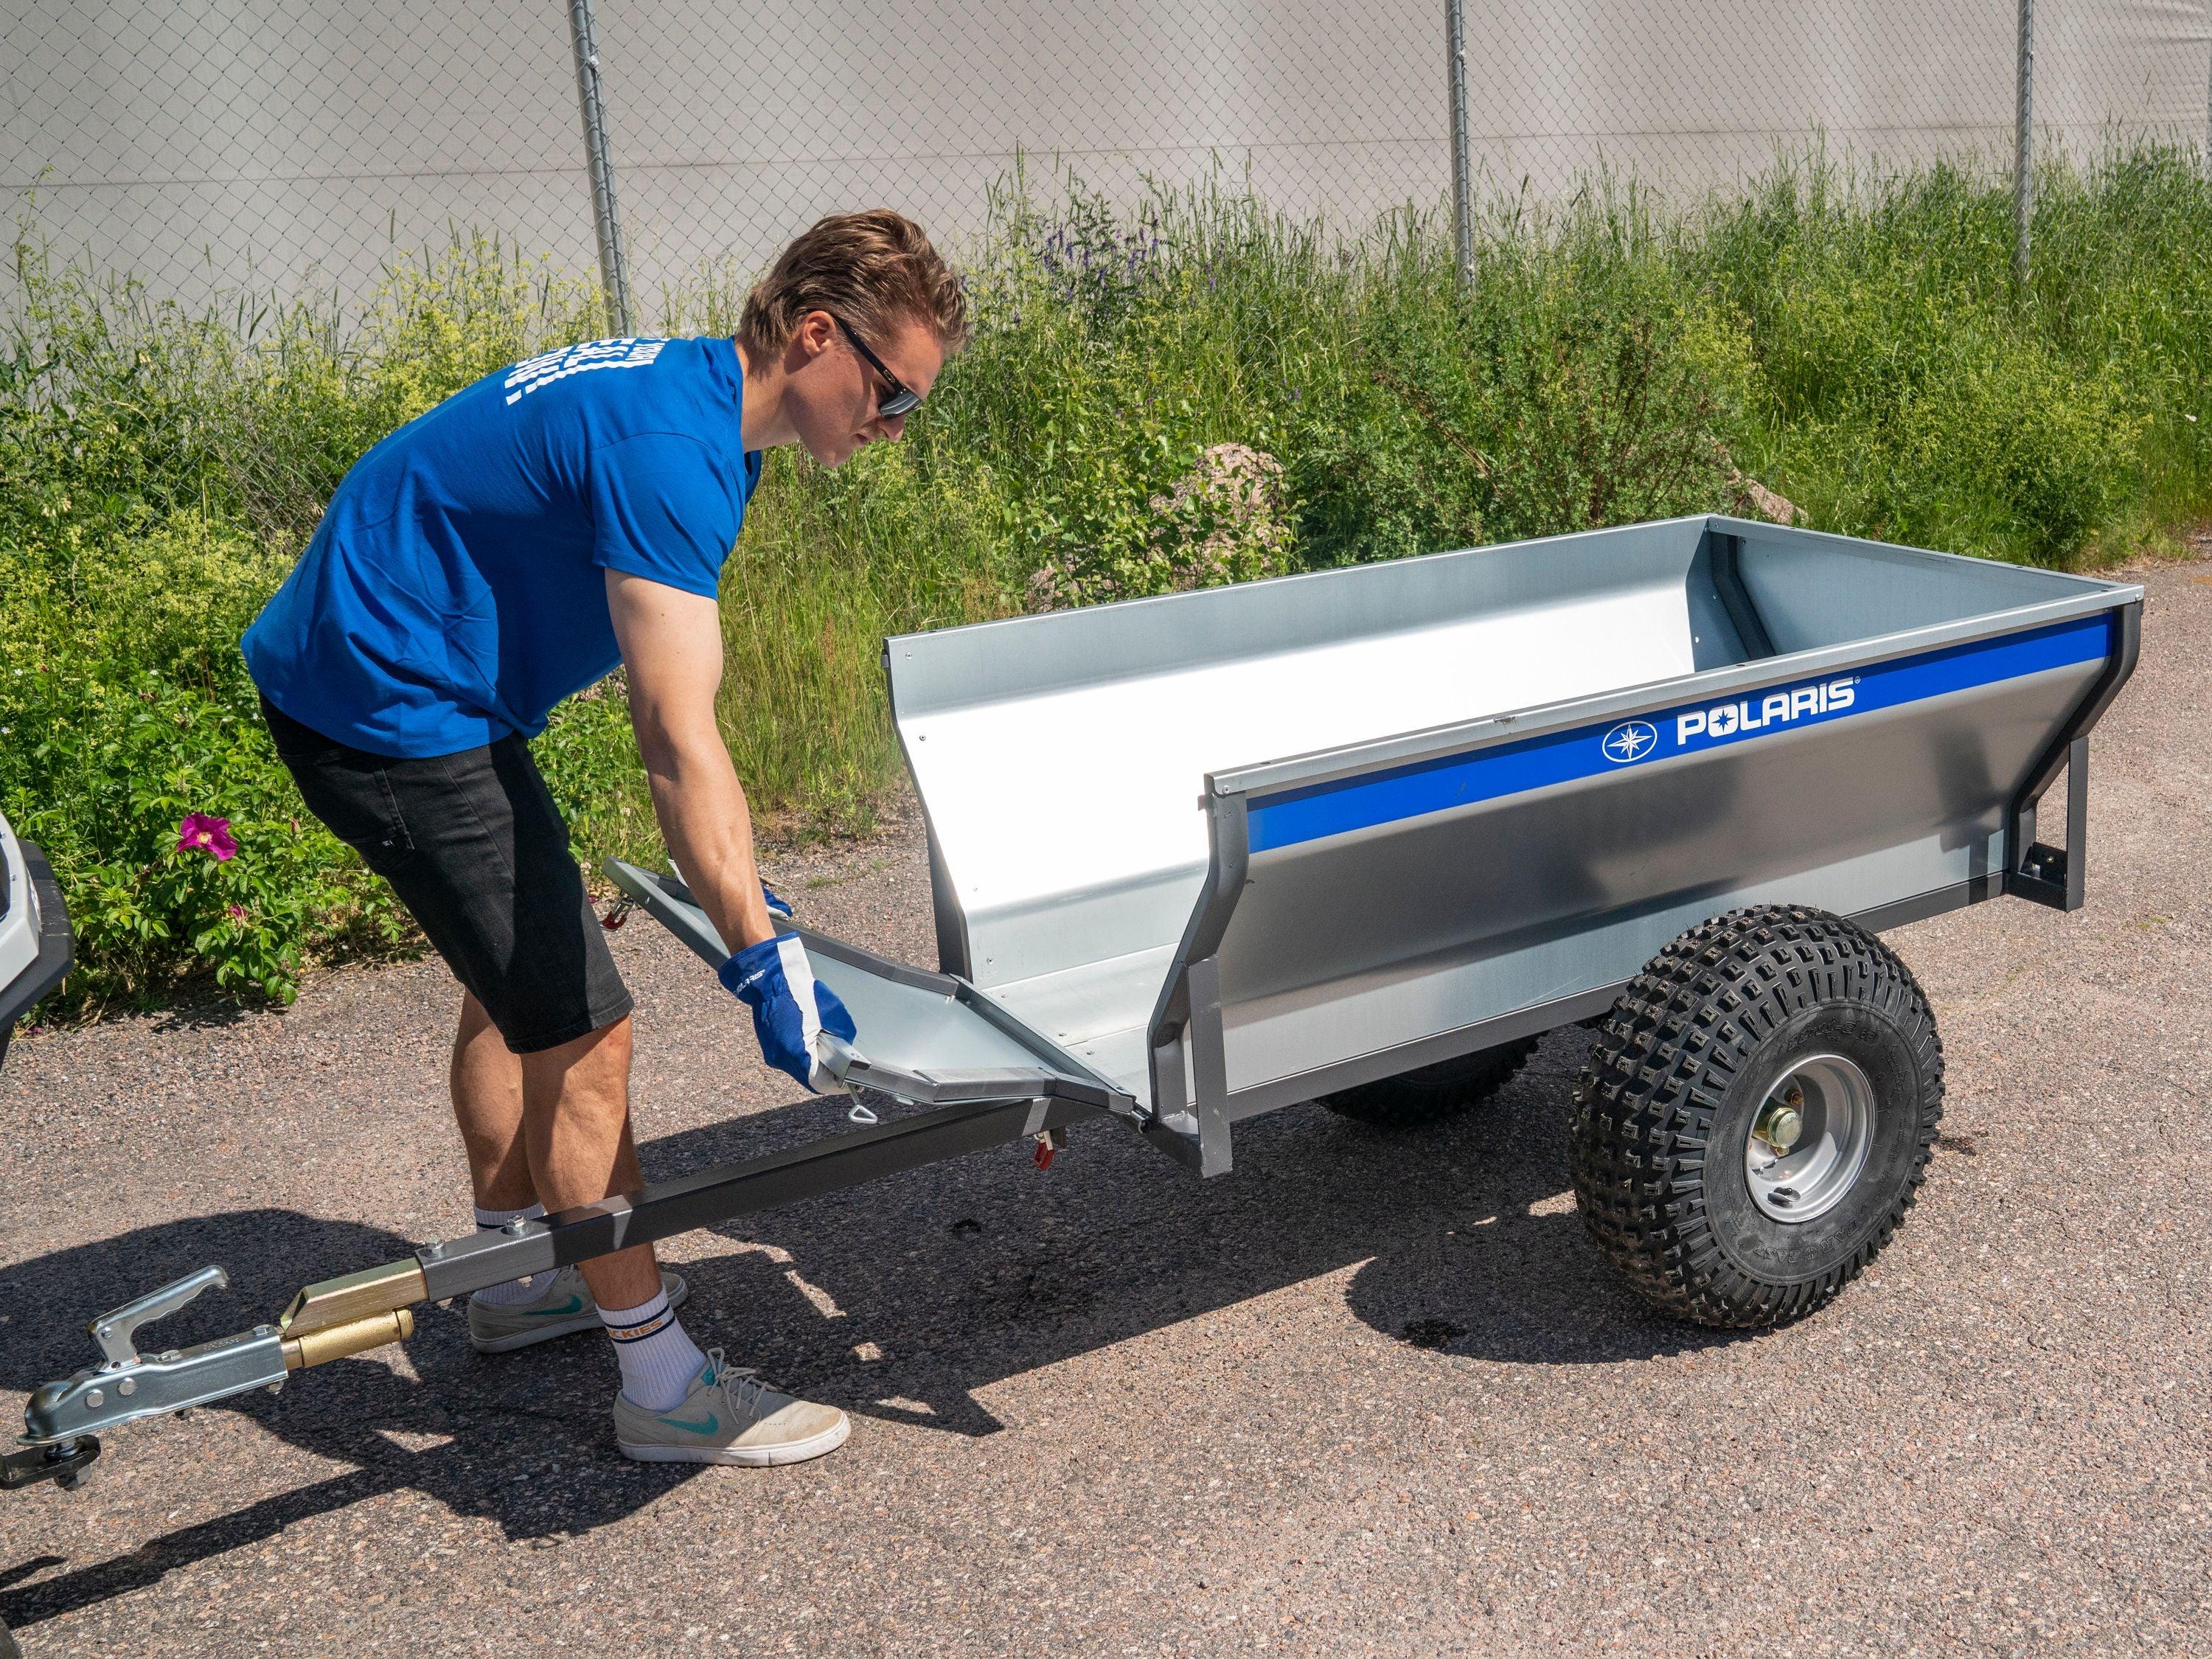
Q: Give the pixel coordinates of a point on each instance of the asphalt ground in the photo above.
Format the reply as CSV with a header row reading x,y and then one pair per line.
x,y
1372,1392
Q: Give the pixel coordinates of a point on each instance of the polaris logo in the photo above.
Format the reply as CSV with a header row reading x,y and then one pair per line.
x,y
1727,719
1635,740
1631,740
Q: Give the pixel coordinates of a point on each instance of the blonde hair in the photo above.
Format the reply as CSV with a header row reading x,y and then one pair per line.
x,y
874,270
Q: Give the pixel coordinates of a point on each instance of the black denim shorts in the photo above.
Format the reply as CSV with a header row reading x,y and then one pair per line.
x,y
476,848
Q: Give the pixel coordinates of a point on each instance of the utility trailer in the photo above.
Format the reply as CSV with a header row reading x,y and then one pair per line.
x,y
1363,837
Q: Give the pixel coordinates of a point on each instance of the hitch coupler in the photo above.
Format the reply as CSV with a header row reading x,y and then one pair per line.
x,y
327,1321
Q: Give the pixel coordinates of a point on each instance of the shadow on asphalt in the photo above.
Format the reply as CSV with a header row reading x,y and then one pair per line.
x,y
899,1300
1460,1237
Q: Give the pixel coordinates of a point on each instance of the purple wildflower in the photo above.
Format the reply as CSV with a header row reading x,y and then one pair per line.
x,y
201,832
238,914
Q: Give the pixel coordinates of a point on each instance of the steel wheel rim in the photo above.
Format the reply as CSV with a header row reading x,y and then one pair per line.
x,y
1796,1180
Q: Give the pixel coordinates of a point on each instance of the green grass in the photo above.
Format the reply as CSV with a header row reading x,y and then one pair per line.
x,y
1857,343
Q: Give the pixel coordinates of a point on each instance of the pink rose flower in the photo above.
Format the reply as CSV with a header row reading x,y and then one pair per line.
x,y
203,833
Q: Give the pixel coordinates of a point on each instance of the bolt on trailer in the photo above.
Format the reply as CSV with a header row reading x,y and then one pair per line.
x,y
1363,836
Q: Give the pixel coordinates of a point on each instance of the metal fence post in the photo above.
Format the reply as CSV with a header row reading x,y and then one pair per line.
x,y
2023,164
614,272
1462,160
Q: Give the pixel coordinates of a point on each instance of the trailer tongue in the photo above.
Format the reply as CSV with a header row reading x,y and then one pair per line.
x,y
931,1043
1360,836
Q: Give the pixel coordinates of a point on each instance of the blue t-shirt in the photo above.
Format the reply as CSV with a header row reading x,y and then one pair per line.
x,y
455,589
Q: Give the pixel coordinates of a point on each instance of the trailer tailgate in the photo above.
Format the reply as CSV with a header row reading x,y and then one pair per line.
x,y
931,1039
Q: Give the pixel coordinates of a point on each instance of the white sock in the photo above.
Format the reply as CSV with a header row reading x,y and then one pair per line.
x,y
659,1362
515,1291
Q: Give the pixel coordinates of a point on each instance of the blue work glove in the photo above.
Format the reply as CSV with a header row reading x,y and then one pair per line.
x,y
790,1006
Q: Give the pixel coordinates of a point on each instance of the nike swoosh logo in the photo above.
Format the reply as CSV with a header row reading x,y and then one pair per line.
x,y
573,1304
707,1424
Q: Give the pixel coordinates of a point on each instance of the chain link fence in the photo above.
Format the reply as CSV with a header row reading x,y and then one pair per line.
x,y
233,146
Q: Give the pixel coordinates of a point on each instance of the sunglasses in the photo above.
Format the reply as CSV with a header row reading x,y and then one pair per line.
x,y
898,398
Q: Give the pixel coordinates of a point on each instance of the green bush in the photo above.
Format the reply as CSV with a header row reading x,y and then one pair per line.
x,y
1905,387
1195,390
158,473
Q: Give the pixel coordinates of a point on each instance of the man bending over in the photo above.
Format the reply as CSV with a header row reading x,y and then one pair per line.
x,y
494,556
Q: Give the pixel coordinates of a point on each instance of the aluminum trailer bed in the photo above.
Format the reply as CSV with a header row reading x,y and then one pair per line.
x,y
1362,835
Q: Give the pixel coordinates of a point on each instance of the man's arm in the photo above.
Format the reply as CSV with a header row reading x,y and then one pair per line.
x,y
672,644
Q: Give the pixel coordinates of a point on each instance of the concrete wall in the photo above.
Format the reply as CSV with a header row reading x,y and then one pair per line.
x,y
209,144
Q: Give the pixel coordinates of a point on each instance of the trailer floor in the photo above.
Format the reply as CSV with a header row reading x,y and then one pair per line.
x,y
1368,1393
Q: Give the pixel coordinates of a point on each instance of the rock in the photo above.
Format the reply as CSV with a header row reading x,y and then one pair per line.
x,y
1226,520
1767,504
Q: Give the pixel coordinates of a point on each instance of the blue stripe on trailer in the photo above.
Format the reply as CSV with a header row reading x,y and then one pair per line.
x,y
1320,810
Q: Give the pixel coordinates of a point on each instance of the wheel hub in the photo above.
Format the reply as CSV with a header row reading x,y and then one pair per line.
x,y
1782,1122
1809,1138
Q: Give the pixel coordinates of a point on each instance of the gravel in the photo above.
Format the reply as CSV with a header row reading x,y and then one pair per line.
x,y
1372,1393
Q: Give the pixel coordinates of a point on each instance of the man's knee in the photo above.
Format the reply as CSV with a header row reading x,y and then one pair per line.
x,y
590,1064
474,1021
612,1041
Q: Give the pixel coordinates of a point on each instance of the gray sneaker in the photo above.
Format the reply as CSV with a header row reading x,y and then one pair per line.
x,y
565,1308
730,1416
